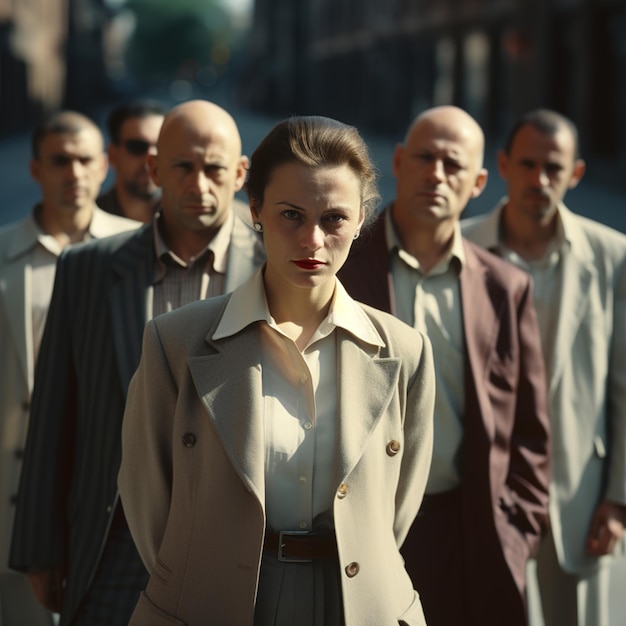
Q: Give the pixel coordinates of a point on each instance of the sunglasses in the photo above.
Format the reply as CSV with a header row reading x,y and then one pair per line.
x,y
137,147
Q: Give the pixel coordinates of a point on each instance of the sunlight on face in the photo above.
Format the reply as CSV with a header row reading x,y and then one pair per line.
x,y
310,217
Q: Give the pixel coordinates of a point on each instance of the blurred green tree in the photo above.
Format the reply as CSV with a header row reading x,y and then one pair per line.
x,y
178,38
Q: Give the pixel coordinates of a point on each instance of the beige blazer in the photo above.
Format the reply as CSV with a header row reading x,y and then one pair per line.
x,y
587,382
16,352
192,474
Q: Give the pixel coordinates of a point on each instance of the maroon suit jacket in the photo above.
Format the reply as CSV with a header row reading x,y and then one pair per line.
x,y
505,449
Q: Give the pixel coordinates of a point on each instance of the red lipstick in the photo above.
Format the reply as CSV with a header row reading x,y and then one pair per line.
x,y
308,264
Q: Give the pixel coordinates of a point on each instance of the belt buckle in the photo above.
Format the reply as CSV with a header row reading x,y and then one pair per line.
x,y
288,559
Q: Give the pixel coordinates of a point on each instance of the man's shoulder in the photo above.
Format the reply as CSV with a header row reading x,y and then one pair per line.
x,y
499,270
139,238
600,236
105,224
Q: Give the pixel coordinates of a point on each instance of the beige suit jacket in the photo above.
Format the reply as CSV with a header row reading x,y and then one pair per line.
x,y
192,474
16,352
587,383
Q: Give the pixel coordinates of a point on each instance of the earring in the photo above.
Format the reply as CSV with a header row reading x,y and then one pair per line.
x,y
356,235
258,227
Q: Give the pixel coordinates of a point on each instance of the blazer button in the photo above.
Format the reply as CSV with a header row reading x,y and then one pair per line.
x,y
393,447
352,569
342,492
189,440
19,454
26,406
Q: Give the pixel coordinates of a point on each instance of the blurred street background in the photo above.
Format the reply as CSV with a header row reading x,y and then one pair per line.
x,y
375,64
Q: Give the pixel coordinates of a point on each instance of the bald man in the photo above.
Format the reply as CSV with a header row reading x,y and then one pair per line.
x,y
486,500
68,164
71,535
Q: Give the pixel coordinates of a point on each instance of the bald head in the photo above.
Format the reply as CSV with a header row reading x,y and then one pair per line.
x,y
199,167
201,119
438,170
451,121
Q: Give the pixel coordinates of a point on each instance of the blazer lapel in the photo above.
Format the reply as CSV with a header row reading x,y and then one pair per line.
x,y
362,399
577,277
133,264
15,292
228,382
481,320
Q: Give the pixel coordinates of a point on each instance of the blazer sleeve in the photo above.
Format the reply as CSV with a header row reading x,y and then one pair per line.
x,y
529,472
418,443
145,477
40,529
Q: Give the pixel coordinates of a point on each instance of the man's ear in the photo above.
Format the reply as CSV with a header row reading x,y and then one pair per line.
x,y
153,169
397,158
579,171
34,167
503,164
242,172
480,183
112,152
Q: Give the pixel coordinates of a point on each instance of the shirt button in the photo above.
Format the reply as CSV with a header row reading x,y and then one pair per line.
x,y
109,509
189,440
393,447
26,406
352,569
19,453
342,492
308,425
302,480
13,499
303,525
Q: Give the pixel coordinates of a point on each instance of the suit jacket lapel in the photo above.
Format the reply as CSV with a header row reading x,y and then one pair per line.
x,y
362,399
576,278
228,382
133,264
481,309
15,293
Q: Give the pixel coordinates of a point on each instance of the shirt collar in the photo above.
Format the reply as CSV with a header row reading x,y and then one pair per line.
x,y
248,304
218,245
455,251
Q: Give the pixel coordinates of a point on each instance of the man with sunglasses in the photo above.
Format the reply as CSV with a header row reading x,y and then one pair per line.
x,y
71,535
133,130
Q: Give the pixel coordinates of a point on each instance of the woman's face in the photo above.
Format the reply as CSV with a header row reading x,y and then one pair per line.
x,y
310,217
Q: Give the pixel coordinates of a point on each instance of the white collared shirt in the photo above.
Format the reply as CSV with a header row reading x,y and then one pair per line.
x,y
300,402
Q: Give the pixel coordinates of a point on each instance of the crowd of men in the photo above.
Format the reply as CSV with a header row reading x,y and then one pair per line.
x,y
525,307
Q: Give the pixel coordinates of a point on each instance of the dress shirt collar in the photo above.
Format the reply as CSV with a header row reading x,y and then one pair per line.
x,y
218,245
248,304
455,256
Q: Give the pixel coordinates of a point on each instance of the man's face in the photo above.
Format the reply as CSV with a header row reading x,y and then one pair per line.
x,y
437,171
70,169
539,170
199,173
129,158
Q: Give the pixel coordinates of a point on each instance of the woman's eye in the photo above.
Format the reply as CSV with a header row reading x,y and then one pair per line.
x,y
335,217
290,214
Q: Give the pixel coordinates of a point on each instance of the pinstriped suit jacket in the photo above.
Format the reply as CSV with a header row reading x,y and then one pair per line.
x,y
90,350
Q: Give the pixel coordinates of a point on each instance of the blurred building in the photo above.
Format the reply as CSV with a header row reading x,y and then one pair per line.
x,y
377,63
51,56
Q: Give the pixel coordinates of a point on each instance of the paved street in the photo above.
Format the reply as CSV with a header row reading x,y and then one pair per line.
x,y
592,199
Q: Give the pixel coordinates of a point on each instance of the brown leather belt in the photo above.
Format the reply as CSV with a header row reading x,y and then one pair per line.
x,y
301,547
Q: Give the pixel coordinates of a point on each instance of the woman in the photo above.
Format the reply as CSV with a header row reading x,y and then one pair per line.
x,y
276,441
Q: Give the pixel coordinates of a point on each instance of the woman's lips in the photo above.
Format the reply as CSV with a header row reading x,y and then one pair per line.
x,y
308,264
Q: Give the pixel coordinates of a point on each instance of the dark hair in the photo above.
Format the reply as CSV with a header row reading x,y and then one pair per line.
x,y
128,110
314,141
60,122
547,122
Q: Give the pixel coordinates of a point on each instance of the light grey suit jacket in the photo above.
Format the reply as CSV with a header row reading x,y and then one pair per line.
x,y
192,476
587,381
17,242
